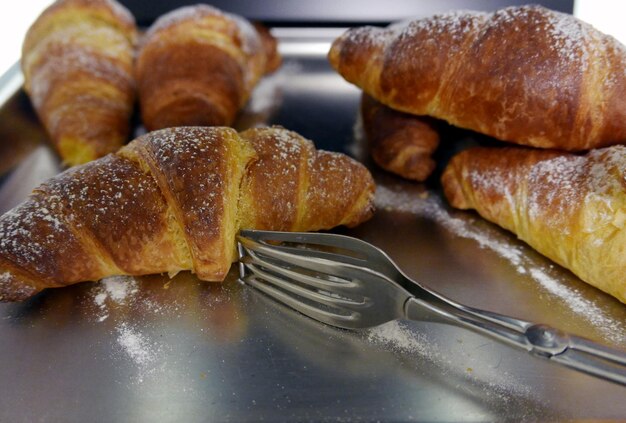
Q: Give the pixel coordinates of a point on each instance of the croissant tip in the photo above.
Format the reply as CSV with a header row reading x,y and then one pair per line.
x,y
13,289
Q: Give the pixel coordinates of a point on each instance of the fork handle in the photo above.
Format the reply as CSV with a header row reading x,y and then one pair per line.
x,y
539,340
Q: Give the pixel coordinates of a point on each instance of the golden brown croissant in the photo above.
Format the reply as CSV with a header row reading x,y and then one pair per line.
x,y
570,208
399,143
273,60
198,66
77,60
522,74
173,200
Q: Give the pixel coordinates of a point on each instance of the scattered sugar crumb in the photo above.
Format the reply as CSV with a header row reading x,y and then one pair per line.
x,y
401,338
579,304
100,298
137,347
116,289
134,344
397,336
119,288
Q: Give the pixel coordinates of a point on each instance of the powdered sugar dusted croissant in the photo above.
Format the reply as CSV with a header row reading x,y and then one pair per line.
x,y
77,61
522,74
198,65
570,208
173,200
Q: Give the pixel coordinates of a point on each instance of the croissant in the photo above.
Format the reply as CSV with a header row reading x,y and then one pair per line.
x,y
273,60
526,74
77,60
173,200
198,66
570,208
399,143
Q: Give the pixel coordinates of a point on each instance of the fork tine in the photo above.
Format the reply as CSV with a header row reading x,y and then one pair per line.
x,y
317,297
306,241
345,287
296,257
306,309
372,257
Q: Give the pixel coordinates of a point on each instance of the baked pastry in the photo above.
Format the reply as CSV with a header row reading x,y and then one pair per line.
x,y
173,200
570,208
77,60
197,66
273,60
399,143
525,74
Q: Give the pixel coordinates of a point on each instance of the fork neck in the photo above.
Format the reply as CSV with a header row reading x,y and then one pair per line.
x,y
441,312
418,310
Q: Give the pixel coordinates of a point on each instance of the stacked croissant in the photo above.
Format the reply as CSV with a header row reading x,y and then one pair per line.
x,y
172,199
525,75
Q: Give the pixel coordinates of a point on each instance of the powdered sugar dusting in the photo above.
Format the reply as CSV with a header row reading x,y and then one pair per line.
x,y
366,35
455,24
432,208
119,287
560,178
135,344
121,11
34,236
571,37
114,289
397,336
185,152
594,181
401,338
246,34
568,36
61,57
113,297
139,348
580,305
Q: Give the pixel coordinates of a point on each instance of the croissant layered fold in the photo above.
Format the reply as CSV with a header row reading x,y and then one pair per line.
x,y
173,200
77,61
526,74
198,65
399,143
568,207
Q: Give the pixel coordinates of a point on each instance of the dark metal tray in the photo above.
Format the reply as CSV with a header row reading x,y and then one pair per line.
x,y
151,349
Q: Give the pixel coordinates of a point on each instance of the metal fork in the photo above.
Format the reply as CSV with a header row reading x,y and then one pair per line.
x,y
348,283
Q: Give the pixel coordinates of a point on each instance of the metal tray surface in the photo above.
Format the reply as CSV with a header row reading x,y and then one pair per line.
x,y
154,349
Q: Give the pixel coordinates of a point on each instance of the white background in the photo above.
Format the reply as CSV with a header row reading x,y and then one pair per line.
x,y
607,16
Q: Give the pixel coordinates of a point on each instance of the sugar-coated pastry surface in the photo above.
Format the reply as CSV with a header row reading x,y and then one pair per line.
x,y
525,74
77,60
173,200
198,65
570,208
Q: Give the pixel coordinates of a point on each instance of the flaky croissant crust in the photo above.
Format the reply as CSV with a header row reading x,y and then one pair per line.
x,y
571,208
198,65
399,142
526,74
173,200
77,60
